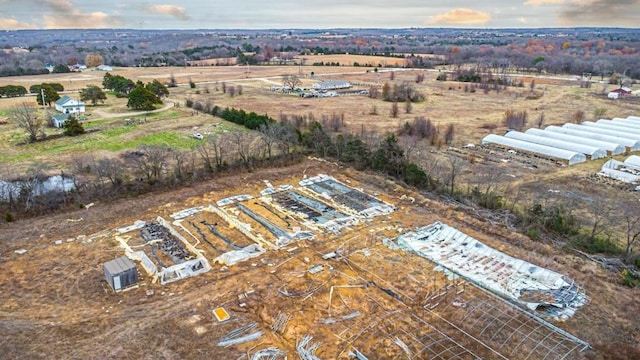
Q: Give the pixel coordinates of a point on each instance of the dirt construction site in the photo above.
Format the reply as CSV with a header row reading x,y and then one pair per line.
x,y
312,261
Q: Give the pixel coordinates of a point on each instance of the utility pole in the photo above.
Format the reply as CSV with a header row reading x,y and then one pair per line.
x,y
42,95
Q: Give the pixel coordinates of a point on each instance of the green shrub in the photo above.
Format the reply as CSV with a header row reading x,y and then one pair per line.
x,y
533,234
8,217
629,279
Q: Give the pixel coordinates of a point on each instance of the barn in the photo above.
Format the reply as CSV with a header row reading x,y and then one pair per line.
x,y
121,273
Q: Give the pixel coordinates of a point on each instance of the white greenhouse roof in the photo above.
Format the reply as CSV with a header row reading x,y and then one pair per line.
x,y
620,175
603,131
547,151
633,160
625,122
632,120
614,127
632,144
633,117
612,164
592,151
613,147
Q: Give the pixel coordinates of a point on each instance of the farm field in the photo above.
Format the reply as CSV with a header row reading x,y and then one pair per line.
x,y
57,303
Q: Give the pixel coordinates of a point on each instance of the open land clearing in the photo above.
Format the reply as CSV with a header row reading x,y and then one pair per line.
x,y
56,303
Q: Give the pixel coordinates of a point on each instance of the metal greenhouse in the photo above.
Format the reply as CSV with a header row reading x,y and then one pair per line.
x,y
592,151
633,145
613,148
545,151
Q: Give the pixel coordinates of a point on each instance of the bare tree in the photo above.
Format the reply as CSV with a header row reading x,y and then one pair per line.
x,y
269,135
631,219
152,161
408,106
212,151
578,116
449,133
290,81
394,109
515,120
374,92
244,143
239,89
232,91
25,117
224,87
112,169
456,166
540,120
600,211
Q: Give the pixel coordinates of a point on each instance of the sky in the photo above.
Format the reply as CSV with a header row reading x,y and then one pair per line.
x,y
314,14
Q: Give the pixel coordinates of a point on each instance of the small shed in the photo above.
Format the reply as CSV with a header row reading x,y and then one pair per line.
x,y
121,273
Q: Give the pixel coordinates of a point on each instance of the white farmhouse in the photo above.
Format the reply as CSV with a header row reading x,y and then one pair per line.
x,y
68,105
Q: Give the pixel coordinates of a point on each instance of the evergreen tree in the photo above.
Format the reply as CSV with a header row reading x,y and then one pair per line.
x,y
73,127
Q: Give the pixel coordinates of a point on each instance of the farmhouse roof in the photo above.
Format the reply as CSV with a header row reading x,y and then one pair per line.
x,y
63,100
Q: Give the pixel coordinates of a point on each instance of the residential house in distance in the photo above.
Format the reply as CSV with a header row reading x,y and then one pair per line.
x,y
104,68
67,106
616,93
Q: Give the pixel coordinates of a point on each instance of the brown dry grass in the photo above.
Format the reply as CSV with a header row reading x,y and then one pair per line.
x,y
55,303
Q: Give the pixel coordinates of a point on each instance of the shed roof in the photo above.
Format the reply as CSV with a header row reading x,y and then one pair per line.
x,y
119,265
60,117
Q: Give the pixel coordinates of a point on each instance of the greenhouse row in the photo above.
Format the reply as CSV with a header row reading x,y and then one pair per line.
x,y
573,143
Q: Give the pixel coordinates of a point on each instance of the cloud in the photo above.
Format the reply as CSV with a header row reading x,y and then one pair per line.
x,y
13,24
79,20
461,16
597,12
171,10
544,2
65,14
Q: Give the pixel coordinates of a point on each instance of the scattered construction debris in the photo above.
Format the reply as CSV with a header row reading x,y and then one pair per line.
x,y
515,279
280,325
307,350
272,353
240,336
